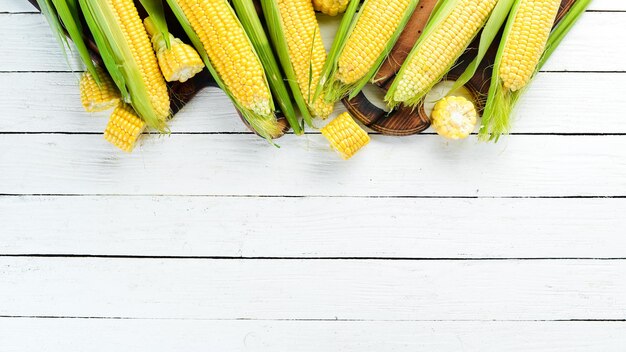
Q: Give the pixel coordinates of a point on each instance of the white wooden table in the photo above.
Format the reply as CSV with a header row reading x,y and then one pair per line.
x,y
212,240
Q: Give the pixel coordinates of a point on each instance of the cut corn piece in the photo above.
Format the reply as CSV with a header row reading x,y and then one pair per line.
x,y
438,50
124,128
330,7
526,41
127,53
454,117
180,61
345,135
305,55
228,53
98,97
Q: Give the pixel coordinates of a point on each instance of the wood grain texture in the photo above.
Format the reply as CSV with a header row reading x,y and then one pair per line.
x,y
222,165
72,335
313,289
578,52
336,227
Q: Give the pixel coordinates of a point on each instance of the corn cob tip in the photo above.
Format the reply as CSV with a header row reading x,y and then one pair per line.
x,y
96,96
124,128
331,7
454,117
345,135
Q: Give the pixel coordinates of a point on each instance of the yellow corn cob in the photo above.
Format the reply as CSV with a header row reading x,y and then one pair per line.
x,y
371,34
124,128
345,135
436,53
230,52
178,63
454,117
306,50
526,41
98,97
331,7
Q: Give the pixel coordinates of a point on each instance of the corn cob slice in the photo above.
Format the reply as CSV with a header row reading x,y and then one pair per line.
x,y
454,117
527,42
229,55
127,53
124,128
330,7
454,28
361,46
179,61
345,135
296,33
98,96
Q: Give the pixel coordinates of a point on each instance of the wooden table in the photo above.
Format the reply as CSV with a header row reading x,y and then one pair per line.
x,y
212,240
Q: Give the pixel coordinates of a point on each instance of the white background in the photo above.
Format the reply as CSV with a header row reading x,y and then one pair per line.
x,y
212,240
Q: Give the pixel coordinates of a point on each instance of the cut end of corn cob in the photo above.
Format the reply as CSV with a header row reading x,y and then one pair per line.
x,y
330,7
526,41
345,135
98,96
454,117
437,52
124,128
180,61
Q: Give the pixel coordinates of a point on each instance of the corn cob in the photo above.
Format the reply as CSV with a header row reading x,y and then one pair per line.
x,y
296,30
526,41
127,53
454,117
437,51
98,96
330,7
231,58
124,128
345,135
361,45
180,61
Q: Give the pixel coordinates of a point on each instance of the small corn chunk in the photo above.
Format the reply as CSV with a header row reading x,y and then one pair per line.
x,y
331,7
345,135
375,27
433,57
98,97
124,128
526,41
178,63
454,117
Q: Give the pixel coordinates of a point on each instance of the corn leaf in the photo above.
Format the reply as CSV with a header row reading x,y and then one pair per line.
x,y
155,10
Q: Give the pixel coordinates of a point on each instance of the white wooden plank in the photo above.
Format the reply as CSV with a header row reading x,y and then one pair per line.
x,y
557,103
30,46
68,335
246,165
336,227
12,6
611,5
313,289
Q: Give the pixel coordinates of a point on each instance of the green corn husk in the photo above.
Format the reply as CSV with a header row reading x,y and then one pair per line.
x,y
500,101
331,88
119,61
252,25
156,12
62,16
442,10
266,126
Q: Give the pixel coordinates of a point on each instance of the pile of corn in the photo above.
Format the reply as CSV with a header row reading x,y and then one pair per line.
x,y
273,62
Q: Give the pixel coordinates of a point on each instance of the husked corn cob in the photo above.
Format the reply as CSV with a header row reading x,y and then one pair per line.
x,y
330,7
374,28
124,128
230,52
345,135
526,41
180,61
98,97
454,117
306,50
120,34
435,54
